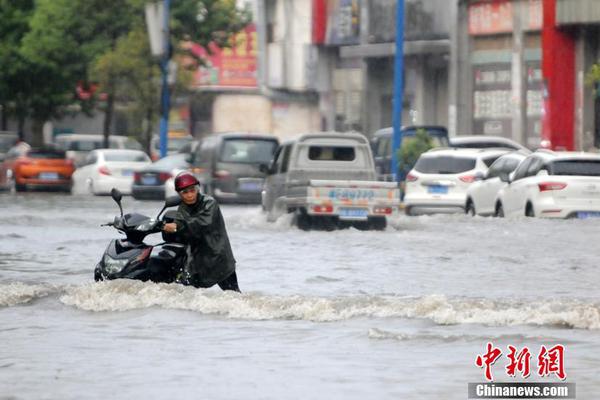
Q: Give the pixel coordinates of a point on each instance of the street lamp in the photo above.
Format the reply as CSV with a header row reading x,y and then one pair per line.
x,y
157,21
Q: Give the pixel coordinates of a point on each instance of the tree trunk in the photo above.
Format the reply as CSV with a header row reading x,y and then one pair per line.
x,y
21,126
4,117
149,127
110,105
37,129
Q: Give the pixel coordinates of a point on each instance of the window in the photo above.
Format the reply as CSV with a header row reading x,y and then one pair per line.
x,y
444,165
576,167
383,146
522,169
126,157
252,151
47,154
276,165
511,164
490,160
286,158
496,168
534,167
331,153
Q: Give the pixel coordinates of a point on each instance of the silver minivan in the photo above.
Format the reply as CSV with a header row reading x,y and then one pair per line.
x,y
228,165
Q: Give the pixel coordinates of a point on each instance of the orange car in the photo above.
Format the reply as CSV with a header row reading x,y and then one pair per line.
x,y
46,168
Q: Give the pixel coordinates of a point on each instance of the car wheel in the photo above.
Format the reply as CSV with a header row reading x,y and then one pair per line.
x,y
529,211
470,208
499,211
408,211
377,223
20,188
302,220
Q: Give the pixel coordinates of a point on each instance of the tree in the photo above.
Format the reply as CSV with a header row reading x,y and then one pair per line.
x,y
411,150
14,69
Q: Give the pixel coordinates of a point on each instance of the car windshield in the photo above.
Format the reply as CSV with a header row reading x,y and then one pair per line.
x,y
438,135
172,162
125,157
444,165
46,154
257,151
576,167
174,144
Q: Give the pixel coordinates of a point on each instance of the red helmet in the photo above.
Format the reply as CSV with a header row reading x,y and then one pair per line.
x,y
184,180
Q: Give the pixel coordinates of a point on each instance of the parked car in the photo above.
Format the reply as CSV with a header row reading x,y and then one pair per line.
x,y
553,185
482,194
485,142
228,164
36,168
174,144
78,146
381,145
7,140
150,182
105,169
328,179
441,177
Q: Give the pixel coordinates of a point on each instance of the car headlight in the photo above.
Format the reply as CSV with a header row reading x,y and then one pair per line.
x,y
114,266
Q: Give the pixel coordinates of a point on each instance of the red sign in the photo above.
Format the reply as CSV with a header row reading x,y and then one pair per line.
x,y
549,361
233,67
492,17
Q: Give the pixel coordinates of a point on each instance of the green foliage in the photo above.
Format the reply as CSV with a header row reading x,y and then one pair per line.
x,y
412,148
592,78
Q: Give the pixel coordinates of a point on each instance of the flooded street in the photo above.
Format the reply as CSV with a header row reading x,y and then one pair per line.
x,y
401,313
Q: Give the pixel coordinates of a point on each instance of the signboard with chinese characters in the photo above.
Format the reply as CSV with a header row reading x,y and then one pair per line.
x,y
233,67
493,100
343,22
486,18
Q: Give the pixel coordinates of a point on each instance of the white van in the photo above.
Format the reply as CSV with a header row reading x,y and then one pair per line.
x,y
77,146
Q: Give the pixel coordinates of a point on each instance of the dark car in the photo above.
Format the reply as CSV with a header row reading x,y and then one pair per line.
x,y
149,182
381,144
228,165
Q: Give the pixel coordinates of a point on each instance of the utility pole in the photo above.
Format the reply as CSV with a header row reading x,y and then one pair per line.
x,y
398,88
165,96
519,77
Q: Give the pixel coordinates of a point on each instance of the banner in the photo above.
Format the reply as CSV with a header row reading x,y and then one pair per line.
x,y
229,68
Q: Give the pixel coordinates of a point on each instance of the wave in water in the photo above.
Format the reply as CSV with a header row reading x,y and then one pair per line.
x,y
124,295
19,293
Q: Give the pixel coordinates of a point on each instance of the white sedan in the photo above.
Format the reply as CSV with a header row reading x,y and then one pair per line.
x,y
105,169
482,194
553,185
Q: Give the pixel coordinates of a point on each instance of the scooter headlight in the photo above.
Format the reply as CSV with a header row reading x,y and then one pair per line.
x,y
147,226
114,266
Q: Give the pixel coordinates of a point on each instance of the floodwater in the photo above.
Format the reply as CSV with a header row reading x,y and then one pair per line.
x,y
398,314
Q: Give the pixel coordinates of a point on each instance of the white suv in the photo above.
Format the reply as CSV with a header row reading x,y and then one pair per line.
x,y
440,178
554,185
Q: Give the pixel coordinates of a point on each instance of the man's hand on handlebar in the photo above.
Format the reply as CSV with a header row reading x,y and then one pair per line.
x,y
170,227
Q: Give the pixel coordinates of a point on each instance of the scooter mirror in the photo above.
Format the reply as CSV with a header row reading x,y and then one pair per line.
x,y
173,201
116,195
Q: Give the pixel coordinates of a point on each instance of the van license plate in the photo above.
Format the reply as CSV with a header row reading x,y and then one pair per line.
x,y
48,175
250,186
437,189
588,214
353,213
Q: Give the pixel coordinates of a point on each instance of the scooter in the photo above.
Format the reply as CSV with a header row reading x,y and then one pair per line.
x,y
131,258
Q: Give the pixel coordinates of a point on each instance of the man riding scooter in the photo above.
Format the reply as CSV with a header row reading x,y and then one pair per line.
x,y
199,223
